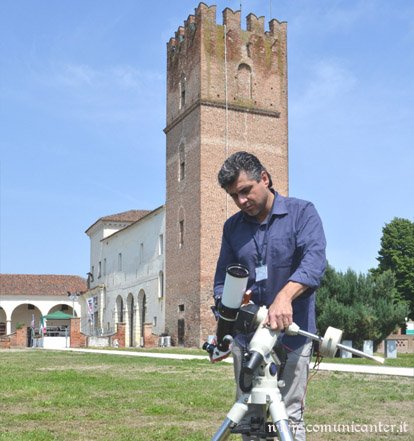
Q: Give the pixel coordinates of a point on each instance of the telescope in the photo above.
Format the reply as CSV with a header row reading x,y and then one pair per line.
x,y
234,290
264,363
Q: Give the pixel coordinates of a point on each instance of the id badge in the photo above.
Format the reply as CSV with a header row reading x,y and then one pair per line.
x,y
261,273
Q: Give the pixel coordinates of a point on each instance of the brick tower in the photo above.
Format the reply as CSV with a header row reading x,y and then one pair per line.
x,y
226,92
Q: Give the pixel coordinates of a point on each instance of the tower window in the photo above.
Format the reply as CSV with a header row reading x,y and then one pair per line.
x,y
182,91
181,159
181,234
182,170
244,81
120,262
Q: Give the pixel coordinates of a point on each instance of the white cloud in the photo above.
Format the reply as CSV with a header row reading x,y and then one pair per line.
x,y
114,93
75,76
328,81
330,16
336,18
125,77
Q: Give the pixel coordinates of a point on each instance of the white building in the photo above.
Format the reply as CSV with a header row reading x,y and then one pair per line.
x,y
24,297
126,279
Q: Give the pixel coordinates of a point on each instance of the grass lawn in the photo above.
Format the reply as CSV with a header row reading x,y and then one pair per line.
x,y
59,396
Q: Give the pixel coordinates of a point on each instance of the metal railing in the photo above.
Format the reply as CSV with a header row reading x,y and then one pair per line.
x,y
89,329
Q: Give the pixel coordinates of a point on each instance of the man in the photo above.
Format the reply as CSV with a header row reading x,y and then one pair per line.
x,y
281,241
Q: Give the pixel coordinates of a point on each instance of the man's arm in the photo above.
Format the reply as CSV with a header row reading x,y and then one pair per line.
x,y
311,244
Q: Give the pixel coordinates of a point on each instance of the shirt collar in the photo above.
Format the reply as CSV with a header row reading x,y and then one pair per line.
x,y
278,208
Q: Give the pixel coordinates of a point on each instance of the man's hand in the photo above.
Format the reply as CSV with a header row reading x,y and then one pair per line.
x,y
279,315
280,312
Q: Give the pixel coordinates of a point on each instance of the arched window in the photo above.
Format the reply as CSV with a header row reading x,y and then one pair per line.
x,y
120,309
181,234
181,162
182,91
181,229
244,82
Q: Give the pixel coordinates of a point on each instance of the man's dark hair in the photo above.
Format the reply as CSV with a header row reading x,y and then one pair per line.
x,y
238,162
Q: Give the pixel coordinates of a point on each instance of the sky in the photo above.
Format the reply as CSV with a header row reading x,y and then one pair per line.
x,y
83,108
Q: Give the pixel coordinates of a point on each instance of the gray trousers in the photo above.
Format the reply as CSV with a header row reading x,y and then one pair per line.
x,y
295,376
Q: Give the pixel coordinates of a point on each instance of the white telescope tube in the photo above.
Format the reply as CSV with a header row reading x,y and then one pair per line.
x,y
234,288
234,285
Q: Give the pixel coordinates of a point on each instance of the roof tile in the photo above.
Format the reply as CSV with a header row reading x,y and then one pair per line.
x,y
40,284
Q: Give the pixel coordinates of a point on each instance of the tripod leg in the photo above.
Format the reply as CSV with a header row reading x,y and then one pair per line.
x,y
235,415
224,431
284,430
279,416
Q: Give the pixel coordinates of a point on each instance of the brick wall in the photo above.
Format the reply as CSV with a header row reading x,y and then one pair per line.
x,y
257,122
77,339
120,334
4,342
19,338
150,339
404,343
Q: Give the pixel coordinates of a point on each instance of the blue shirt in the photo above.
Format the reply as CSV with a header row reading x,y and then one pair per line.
x,y
291,242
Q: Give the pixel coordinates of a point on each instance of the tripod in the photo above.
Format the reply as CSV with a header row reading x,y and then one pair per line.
x,y
265,367
264,391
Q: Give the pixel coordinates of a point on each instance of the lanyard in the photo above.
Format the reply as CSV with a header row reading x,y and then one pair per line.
x,y
261,251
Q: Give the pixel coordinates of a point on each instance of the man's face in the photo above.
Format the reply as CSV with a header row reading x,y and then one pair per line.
x,y
250,196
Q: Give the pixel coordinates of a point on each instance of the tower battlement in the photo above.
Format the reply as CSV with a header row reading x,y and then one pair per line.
x,y
205,20
255,24
231,19
255,59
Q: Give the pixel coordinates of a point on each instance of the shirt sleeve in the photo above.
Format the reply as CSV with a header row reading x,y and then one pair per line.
x,y
311,245
226,257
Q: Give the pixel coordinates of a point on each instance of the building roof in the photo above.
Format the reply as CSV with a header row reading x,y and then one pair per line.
x,y
133,223
40,284
125,216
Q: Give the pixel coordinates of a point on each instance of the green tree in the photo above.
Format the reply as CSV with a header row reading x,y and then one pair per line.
x,y
397,254
363,306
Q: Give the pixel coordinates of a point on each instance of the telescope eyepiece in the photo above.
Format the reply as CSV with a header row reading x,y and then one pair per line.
x,y
209,347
